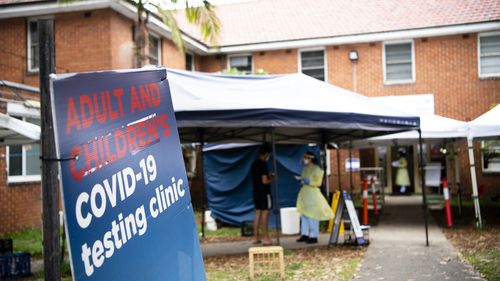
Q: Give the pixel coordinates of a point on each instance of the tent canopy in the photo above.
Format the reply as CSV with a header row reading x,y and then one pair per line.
x,y
435,129
486,125
299,109
16,132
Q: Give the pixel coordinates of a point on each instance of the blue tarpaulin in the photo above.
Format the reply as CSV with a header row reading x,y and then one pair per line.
x,y
229,182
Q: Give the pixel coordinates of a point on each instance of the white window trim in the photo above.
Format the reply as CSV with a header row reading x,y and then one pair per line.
x,y
193,62
28,47
413,63
160,62
488,170
15,109
325,63
21,178
228,60
479,35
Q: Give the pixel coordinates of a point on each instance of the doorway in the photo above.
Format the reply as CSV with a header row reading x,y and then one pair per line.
x,y
408,155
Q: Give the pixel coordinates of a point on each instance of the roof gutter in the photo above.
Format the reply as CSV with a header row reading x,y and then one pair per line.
x,y
18,86
123,7
363,38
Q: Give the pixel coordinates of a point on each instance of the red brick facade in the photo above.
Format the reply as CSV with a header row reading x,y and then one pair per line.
x,y
446,67
85,41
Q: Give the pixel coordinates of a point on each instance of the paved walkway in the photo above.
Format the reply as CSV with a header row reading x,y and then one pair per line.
x,y
397,248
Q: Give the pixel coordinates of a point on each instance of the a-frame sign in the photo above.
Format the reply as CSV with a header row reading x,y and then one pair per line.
x,y
345,203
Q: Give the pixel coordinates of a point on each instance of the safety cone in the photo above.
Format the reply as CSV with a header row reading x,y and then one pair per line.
x,y
446,194
374,196
365,202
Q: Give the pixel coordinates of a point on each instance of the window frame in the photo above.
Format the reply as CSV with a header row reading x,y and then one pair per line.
x,y
159,48
19,110
228,63
413,63
480,74
488,170
325,60
28,47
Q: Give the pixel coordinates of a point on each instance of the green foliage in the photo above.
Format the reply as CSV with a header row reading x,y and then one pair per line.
x,y
28,241
487,262
205,17
171,23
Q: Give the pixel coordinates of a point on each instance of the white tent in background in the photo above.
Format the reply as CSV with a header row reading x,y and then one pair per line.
x,y
17,132
485,126
435,129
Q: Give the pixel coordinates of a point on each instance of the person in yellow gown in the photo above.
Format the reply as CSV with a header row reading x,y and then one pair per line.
x,y
311,204
402,176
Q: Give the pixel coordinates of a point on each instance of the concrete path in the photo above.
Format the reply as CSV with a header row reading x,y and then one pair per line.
x,y
397,248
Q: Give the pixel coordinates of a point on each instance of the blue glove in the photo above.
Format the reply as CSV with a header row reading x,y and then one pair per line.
x,y
306,181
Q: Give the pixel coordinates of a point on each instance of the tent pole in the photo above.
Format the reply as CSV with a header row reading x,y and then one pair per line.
x,y
325,172
338,168
457,179
422,182
350,167
203,187
276,205
475,196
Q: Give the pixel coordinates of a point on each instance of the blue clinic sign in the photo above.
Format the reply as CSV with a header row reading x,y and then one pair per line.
x,y
126,196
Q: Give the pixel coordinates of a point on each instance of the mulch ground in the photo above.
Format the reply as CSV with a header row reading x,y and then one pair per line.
x,y
321,263
479,247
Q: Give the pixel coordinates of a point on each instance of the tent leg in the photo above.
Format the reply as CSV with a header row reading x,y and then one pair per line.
x,y
339,171
475,196
276,205
457,179
203,188
350,168
422,182
325,172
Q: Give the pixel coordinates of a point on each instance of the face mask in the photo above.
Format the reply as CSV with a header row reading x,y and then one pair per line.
x,y
307,161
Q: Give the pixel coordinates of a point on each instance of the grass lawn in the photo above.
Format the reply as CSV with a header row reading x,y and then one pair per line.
x,y
29,241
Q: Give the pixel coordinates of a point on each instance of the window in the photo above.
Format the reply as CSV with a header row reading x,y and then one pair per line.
x,y
241,63
154,50
33,55
189,62
312,63
489,55
490,155
24,160
399,65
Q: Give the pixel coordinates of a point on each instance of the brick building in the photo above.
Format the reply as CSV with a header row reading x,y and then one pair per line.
x,y
449,49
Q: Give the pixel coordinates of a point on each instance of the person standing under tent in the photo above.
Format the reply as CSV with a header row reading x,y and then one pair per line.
x,y
311,204
402,176
261,179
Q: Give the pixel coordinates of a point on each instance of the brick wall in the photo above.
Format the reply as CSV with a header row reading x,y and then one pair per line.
x,y
281,61
212,63
84,41
171,57
122,44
